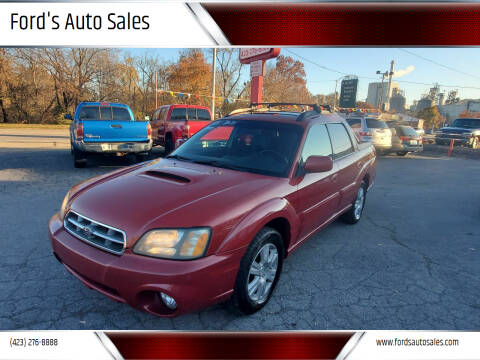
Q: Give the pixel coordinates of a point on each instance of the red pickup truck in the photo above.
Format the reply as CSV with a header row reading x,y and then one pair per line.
x,y
216,218
174,124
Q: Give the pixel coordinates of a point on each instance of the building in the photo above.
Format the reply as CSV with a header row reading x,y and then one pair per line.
x,y
424,103
398,101
453,111
374,95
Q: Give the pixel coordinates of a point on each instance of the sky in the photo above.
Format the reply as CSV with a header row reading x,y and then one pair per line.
x,y
453,68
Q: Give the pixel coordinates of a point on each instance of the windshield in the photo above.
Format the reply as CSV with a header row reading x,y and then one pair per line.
x,y
466,123
260,147
376,124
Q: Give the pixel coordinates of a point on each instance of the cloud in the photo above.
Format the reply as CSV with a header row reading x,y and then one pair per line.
x,y
402,72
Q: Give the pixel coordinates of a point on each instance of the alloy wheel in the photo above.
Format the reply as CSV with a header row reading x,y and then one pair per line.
x,y
262,273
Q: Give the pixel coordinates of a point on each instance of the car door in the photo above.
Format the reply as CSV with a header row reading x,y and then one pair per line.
x,y
318,194
346,163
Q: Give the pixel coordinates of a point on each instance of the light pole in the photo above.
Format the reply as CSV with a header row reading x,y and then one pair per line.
x,y
214,67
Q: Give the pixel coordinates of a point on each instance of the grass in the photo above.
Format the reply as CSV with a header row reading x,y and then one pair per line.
x,y
32,126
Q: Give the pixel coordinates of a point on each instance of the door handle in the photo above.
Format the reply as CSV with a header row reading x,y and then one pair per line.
x,y
116,126
334,177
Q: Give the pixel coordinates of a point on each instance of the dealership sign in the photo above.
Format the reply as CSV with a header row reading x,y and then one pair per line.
x,y
248,55
348,93
256,68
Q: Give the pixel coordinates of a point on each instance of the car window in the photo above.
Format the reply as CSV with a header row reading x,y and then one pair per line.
x,y
155,115
262,147
163,114
178,114
355,123
408,131
341,142
376,124
317,143
192,114
121,114
105,113
89,113
203,115
466,123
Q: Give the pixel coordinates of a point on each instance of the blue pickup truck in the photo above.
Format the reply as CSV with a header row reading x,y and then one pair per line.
x,y
105,127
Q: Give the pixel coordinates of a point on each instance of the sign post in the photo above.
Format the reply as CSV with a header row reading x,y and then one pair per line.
x,y
256,57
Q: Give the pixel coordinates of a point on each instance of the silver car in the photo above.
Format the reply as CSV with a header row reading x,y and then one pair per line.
x,y
374,130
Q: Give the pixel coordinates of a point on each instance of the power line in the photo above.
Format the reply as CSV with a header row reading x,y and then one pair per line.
x,y
373,78
439,64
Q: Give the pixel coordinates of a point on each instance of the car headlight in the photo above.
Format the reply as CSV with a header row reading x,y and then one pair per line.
x,y
63,209
180,244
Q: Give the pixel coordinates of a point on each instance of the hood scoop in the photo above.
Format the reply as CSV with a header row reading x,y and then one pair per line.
x,y
166,176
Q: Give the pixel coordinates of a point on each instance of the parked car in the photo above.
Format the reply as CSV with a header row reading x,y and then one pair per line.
x,y
374,130
109,128
405,139
217,217
174,124
420,131
464,131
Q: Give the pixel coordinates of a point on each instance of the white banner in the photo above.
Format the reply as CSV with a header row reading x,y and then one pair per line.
x,y
56,345
123,24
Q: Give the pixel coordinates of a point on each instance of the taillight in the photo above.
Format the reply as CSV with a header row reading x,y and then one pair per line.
x,y
405,138
149,131
79,131
365,133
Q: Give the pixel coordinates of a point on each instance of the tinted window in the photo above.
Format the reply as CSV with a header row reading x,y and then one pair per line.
x,y
355,123
192,114
105,113
376,124
89,113
317,143
408,131
179,114
121,114
341,143
260,147
203,115
466,123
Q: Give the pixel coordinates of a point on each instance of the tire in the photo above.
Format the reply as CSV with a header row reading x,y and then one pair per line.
x,y
354,215
401,153
248,302
168,146
79,158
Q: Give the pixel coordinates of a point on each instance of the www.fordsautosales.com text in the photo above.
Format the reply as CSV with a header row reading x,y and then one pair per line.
x,y
47,20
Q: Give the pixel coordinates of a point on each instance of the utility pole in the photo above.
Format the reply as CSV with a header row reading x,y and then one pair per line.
x,y
390,74
214,67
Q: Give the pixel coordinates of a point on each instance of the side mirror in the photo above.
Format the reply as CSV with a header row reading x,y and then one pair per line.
x,y
147,118
68,117
317,164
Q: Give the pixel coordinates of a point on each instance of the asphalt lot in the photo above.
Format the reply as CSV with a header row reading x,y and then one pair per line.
x,y
413,261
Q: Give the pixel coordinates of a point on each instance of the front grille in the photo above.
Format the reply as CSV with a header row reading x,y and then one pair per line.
x,y
97,234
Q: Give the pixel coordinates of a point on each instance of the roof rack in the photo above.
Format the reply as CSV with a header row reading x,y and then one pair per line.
x,y
255,108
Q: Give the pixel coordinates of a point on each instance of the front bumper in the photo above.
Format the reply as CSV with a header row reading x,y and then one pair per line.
x,y
114,147
138,280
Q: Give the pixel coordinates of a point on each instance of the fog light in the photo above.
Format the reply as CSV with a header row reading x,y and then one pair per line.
x,y
169,301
